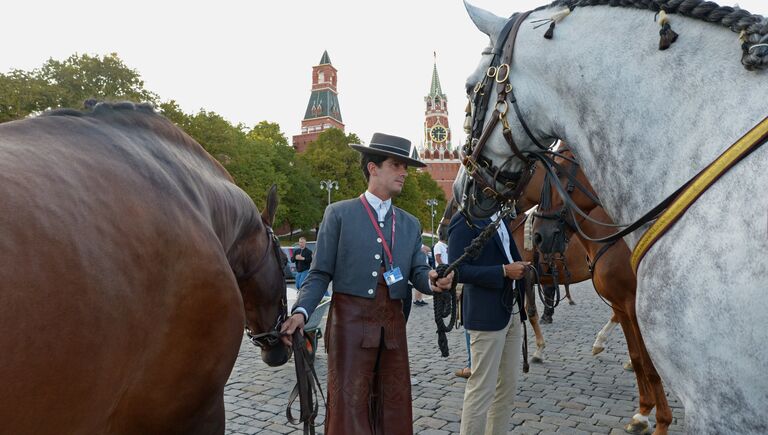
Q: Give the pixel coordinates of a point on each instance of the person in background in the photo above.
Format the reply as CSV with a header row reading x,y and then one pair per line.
x,y
302,257
418,297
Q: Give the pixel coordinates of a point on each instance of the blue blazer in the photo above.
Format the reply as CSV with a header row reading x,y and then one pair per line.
x,y
488,298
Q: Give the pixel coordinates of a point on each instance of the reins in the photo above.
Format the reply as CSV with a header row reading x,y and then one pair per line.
x,y
306,388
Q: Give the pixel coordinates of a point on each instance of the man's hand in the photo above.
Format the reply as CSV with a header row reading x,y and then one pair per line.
x,y
293,323
516,270
299,257
439,285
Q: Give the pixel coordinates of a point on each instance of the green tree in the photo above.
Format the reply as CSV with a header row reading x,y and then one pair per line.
x,y
22,93
80,77
331,158
69,83
299,207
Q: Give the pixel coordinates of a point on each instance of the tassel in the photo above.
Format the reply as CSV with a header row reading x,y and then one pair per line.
x,y
551,31
667,35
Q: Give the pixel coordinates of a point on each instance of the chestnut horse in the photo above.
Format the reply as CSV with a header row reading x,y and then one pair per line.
x,y
575,259
130,264
613,279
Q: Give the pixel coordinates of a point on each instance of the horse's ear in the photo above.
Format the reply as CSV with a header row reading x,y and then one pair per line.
x,y
485,21
268,215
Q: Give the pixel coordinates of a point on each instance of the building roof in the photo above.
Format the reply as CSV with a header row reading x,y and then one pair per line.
x,y
325,59
435,88
323,102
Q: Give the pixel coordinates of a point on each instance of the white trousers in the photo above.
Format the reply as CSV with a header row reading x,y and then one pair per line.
x,y
490,390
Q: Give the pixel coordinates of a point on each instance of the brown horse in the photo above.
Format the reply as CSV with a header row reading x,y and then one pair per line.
x,y
613,279
130,264
575,263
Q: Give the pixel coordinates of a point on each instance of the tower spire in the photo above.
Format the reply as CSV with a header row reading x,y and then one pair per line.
x,y
435,88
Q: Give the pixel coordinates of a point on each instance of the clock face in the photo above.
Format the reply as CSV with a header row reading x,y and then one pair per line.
x,y
438,133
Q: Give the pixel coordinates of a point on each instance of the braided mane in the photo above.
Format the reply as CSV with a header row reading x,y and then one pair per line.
x,y
753,28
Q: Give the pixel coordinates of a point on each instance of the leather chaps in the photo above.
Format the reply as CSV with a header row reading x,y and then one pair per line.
x,y
369,381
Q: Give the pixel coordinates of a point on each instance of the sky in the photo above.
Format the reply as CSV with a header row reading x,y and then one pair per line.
x,y
251,61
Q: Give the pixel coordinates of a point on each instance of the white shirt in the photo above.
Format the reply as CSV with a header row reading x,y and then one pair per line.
x,y
504,234
441,249
381,206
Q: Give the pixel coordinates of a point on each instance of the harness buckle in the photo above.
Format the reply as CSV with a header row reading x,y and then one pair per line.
x,y
490,193
505,68
491,73
505,105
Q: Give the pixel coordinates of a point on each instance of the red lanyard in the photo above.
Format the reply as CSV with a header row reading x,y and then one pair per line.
x,y
378,231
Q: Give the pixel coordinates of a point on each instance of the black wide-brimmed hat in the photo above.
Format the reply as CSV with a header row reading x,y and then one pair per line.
x,y
391,146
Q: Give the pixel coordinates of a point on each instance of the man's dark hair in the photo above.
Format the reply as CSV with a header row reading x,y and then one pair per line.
x,y
365,158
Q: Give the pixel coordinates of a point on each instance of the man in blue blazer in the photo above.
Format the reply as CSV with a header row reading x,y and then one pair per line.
x,y
370,249
493,288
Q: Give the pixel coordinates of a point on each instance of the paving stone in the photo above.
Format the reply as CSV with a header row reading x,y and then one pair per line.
x,y
572,393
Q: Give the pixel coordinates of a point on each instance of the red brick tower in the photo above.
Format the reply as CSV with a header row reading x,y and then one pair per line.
x,y
441,157
323,110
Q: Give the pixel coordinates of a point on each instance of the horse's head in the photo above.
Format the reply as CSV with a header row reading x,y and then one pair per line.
x,y
262,284
496,163
555,220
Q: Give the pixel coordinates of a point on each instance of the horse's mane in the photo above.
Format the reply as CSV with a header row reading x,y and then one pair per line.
x,y
101,108
753,28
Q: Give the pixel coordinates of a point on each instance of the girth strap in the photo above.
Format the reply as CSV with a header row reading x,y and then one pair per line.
x,y
697,186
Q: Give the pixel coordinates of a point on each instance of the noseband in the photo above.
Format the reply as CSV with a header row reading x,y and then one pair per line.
x,y
272,337
480,168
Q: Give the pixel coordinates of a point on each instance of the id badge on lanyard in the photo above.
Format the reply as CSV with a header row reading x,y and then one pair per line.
x,y
393,275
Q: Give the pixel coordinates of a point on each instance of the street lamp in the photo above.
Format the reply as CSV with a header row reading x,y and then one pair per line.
x,y
432,202
328,185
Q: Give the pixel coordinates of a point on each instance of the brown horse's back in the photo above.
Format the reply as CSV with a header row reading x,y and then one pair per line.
x,y
113,282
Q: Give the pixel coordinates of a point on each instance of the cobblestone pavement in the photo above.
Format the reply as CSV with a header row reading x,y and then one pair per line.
x,y
572,392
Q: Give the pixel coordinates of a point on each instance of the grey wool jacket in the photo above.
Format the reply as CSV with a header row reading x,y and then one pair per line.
x,y
348,253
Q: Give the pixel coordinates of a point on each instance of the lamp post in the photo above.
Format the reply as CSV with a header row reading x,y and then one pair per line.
x,y
328,185
432,202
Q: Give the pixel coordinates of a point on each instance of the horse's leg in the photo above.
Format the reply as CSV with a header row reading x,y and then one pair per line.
x,y
568,295
533,318
604,333
663,411
640,423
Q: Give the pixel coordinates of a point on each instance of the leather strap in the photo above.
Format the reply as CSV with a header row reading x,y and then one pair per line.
x,y
306,388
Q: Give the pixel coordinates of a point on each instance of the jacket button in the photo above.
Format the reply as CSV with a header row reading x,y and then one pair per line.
x,y
381,224
374,273
378,239
377,256
370,291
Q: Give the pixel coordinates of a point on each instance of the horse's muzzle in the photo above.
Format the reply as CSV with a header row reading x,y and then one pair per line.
x,y
276,356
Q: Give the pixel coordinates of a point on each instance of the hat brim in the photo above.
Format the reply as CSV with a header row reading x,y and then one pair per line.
x,y
367,150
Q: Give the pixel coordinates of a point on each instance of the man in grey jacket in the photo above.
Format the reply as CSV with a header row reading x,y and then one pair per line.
x,y
370,249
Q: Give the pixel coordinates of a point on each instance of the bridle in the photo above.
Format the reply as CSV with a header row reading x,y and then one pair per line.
x,y
271,338
479,168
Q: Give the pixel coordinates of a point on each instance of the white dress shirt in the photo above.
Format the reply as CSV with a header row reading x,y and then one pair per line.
x,y
381,206
505,239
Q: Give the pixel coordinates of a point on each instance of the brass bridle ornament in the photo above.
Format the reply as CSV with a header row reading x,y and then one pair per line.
x,y
497,185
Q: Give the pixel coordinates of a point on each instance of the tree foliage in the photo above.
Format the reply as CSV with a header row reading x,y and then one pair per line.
x,y
255,157
69,83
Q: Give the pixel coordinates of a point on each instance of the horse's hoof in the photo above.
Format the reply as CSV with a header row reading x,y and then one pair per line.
x,y
537,359
628,366
571,303
597,349
546,318
638,428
